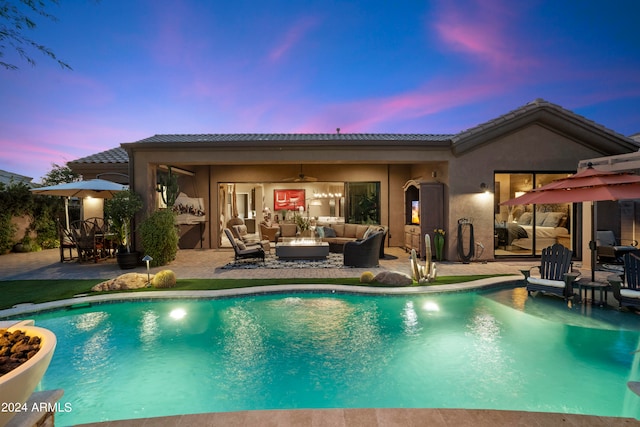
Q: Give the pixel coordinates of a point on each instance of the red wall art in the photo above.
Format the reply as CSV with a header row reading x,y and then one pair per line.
x,y
288,199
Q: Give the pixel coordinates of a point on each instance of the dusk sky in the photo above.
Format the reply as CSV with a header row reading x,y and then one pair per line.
x,y
145,67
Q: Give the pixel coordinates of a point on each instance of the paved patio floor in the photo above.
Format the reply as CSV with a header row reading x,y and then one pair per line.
x,y
207,263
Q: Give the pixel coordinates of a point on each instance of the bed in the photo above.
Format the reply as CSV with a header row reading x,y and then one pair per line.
x,y
549,225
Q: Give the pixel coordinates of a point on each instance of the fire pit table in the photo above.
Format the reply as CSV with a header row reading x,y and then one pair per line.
x,y
302,248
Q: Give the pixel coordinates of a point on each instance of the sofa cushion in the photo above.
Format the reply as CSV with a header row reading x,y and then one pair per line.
x,y
629,293
546,282
350,230
288,230
360,230
339,229
338,240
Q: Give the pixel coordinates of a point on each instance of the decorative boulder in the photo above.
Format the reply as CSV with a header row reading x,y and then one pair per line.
x,y
123,282
393,278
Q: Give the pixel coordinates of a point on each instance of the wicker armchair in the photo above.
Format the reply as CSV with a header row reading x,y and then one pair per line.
x,y
363,253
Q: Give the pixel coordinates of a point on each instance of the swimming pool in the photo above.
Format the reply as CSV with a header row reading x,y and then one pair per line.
x,y
491,350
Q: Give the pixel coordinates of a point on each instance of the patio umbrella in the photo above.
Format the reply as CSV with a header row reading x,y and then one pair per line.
x,y
98,188
588,185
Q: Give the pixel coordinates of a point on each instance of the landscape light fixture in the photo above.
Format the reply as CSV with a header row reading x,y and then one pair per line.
x,y
147,259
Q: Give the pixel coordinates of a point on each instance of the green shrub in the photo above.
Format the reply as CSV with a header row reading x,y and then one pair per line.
x,y
160,237
164,279
7,228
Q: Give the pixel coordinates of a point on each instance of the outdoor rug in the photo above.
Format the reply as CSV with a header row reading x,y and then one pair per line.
x,y
271,261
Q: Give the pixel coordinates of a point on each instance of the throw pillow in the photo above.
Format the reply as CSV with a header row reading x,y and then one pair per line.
x,y
240,244
367,233
525,219
329,232
552,219
320,231
540,217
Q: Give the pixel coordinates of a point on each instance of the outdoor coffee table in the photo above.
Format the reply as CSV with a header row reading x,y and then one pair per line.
x,y
302,248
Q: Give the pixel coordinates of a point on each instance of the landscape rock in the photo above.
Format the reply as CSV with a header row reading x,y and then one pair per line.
x,y
123,282
393,278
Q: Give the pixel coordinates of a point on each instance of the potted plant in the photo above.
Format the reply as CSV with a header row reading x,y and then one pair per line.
x,y
303,224
120,211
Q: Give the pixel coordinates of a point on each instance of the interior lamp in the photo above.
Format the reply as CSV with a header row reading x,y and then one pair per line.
x,y
484,187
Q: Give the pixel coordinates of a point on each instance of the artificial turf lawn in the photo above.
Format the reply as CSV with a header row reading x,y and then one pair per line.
x,y
14,292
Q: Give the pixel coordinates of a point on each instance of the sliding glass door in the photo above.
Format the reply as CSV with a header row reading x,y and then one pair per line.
x,y
524,230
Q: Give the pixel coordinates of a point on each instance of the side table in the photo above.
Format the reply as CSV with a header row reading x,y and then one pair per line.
x,y
602,287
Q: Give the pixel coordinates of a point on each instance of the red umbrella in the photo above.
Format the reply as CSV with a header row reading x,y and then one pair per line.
x,y
588,185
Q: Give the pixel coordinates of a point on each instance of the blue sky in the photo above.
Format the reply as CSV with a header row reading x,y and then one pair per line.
x,y
145,67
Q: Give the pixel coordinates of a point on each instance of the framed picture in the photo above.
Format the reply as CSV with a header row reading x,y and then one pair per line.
x,y
288,200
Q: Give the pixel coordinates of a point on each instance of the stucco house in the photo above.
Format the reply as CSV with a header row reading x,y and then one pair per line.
x,y
446,179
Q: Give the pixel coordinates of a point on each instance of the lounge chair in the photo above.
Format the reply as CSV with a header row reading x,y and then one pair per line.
x,y
363,253
555,277
629,294
609,249
243,251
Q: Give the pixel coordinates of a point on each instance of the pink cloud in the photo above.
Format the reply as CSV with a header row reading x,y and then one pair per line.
x,y
484,30
292,37
379,114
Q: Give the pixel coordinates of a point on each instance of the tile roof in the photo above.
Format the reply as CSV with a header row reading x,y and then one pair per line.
x,y
526,109
115,155
232,137
460,142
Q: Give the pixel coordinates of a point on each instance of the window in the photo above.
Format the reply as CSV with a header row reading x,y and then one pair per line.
x,y
362,202
524,230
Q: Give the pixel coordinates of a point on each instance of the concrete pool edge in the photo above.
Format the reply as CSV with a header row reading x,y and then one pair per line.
x,y
487,283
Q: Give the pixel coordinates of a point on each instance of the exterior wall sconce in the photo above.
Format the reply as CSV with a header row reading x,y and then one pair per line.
x,y
484,188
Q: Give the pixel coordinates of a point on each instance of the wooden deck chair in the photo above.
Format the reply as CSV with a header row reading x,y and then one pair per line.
x,y
627,289
555,263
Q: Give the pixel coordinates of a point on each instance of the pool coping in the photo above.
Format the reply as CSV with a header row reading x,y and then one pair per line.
x,y
480,284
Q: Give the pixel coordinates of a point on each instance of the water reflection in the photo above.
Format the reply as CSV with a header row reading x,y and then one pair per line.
x,y
149,330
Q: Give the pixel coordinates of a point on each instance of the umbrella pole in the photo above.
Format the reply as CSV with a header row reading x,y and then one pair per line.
x,y
66,212
592,243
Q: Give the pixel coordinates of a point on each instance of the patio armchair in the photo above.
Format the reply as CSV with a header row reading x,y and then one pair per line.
x,y
363,253
626,289
610,249
555,275
269,232
243,251
250,238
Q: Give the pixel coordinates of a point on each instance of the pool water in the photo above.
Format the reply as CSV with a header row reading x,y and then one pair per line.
x,y
493,350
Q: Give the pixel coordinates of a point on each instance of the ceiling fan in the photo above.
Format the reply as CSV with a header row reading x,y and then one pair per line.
x,y
301,177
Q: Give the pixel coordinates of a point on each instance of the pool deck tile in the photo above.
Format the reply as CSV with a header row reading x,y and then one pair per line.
x,y
389,417
195,264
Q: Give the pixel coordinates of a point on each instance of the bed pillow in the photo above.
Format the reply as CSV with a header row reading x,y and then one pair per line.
x,y
552,219
525,219
540,217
